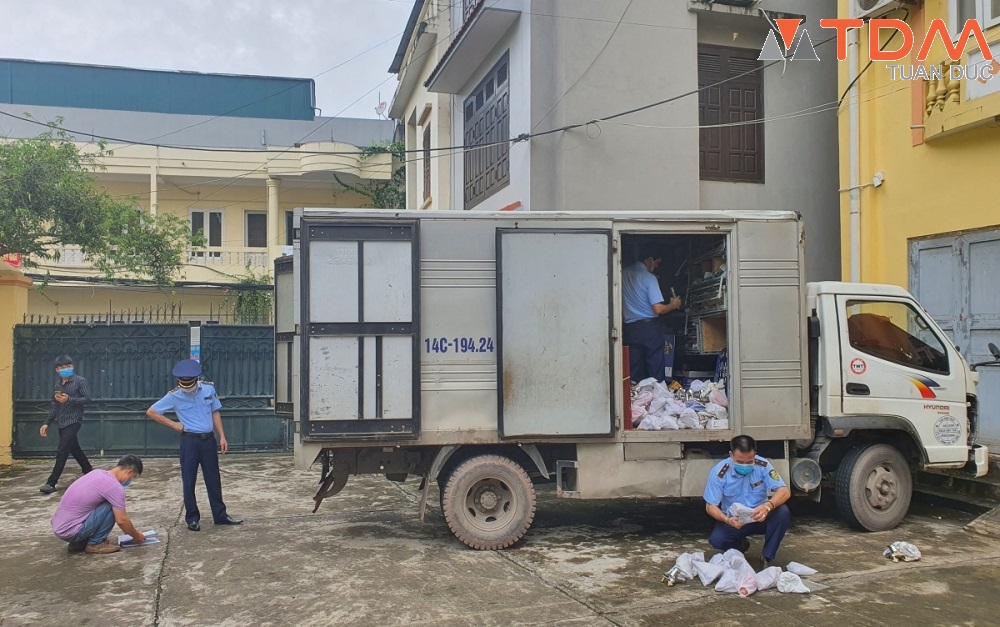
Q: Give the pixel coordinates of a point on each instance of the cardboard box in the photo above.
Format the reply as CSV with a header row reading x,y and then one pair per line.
x,y
713,334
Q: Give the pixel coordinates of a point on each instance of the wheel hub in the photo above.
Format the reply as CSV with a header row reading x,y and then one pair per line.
x,y
487,499
882,487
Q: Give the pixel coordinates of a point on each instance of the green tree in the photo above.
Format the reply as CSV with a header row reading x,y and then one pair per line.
x,y
248,300
48,198
389,194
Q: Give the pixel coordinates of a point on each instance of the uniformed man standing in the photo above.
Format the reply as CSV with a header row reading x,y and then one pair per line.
x,y
196,406
643,305
748,479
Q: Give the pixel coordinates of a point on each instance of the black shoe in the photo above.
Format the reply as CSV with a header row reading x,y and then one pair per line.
x,y
746,545
47,489
229,520
764,562
194,526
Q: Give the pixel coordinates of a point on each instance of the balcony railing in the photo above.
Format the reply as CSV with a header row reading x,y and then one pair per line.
x,y
227,259
469,7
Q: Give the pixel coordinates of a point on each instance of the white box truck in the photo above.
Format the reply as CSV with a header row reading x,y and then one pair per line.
x,y
482,352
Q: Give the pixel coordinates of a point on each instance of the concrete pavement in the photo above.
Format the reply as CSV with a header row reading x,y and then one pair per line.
x,y
365,559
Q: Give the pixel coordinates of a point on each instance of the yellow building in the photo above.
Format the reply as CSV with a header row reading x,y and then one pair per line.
x,y
919,161
230,155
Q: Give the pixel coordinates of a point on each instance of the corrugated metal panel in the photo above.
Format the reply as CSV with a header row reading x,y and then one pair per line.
x,y
125,89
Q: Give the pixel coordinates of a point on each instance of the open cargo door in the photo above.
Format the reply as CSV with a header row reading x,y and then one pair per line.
x,y
554,304
360,304
285,341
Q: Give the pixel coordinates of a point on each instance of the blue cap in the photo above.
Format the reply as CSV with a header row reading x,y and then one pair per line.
x,y
187,369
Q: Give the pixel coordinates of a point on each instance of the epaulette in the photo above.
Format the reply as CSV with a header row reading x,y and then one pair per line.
x,y
209,383
174,390
723,470
761,462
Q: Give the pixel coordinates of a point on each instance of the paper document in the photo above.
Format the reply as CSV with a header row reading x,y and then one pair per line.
x,y
126,540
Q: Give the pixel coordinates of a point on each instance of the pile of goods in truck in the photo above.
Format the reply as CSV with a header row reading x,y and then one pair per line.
x,y
657,406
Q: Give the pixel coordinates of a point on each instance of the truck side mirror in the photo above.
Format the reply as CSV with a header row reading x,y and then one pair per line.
x,y
994,351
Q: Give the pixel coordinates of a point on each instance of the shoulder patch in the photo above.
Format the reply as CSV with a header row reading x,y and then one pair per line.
x,y
174,390
723,470
760,462
208,383
774,475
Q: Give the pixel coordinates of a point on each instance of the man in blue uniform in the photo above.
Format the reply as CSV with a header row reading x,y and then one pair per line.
x,y
196,406
752,481
643,305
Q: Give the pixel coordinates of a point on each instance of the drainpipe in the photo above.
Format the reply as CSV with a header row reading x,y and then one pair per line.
x,y
854,157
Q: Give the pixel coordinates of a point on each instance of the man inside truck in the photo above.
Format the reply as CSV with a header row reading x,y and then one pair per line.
x,y
643,305
750,480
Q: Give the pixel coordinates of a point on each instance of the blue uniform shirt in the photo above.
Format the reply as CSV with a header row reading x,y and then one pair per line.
x,y
640,291
725,486
193,410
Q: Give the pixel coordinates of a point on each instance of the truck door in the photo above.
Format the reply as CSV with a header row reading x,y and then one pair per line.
x,y
897,364
360,307
554,304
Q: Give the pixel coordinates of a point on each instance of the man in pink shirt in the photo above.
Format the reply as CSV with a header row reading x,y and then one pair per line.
x,y
93,504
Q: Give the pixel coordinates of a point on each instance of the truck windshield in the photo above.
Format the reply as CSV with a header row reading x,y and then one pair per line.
x,y
895,332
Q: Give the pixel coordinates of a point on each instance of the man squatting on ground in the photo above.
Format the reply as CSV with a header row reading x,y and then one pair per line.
x,y
93,504
747,478
71,394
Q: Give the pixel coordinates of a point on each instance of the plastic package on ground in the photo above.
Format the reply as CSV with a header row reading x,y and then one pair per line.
x,y
727,582
734,559
689,420
746,581
800,569
768,578
674,575
718,559
686,561
743,513
791,583
902,552
708,572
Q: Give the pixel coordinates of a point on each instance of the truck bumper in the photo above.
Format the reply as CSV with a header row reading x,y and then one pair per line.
x,y
979,460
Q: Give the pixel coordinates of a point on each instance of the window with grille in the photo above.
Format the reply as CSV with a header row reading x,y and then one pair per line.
x,y
487,124
427,160
730,153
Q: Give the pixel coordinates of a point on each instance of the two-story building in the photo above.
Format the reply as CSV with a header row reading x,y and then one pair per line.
x,y
231,155
918,168
625,104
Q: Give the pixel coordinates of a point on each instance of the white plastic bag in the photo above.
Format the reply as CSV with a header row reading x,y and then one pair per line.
x,y
800,569
727,583
647,385
656,405
642,399
768,578
734,558
746,581
685,565
697,386
902,551
673,408
708,572
689,420
744,514
718,396
718,411
791,583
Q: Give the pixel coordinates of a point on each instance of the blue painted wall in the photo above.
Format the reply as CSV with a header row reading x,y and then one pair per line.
x,y
152,91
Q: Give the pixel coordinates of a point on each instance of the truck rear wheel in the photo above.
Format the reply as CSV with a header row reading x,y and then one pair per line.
x,y
874,486
489,502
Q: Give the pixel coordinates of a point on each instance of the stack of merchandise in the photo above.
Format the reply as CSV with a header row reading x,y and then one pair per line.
x,y
735,575
702,405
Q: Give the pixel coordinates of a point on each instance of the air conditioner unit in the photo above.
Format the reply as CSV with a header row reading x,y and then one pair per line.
x,y
870,9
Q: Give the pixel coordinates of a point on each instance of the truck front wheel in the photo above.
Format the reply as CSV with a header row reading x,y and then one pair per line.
x,y
874,486
489,502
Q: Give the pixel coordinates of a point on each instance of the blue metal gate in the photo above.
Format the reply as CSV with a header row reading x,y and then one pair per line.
x,y
128,367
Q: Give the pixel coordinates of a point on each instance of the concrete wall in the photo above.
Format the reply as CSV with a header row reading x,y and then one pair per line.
x,y
800,153
651,56
14,295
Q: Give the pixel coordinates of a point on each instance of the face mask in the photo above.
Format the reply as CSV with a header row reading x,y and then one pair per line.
x,y
65,373
188,385
127,483
743,469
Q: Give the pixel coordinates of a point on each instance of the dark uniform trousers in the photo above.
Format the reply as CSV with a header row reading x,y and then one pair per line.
x,y
200,449
773,529
645,341
69,445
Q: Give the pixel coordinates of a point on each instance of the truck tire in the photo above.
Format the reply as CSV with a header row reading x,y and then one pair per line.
x,y
874,487
489,502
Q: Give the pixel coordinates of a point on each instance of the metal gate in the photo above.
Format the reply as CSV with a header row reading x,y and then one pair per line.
x,y
128,368
955,278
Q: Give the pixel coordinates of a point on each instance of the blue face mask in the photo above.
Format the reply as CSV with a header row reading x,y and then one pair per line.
x,y
743,469
127,483
65,373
